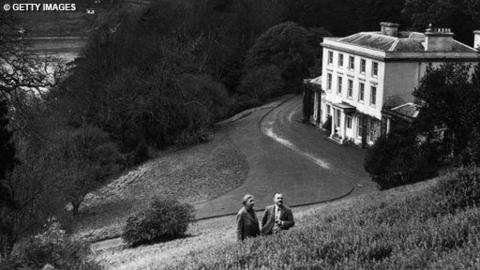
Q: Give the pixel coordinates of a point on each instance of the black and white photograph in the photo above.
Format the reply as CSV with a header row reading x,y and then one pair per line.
x,y
239,134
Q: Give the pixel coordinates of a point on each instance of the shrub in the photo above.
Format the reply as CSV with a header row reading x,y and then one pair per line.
x,y
164,220
399,159
52,246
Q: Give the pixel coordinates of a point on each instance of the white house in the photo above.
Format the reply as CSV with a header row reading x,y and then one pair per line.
x,y
368,73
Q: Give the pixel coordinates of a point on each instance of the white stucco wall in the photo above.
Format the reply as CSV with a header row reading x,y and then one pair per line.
x,y
401,78
356,76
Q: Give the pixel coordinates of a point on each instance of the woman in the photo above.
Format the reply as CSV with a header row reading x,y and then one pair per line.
x,y
247,222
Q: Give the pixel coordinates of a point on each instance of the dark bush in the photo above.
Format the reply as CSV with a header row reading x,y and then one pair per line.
x,y
399,159
54,247
164,220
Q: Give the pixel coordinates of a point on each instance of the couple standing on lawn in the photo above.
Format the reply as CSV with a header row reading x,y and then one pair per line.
x,y
276,217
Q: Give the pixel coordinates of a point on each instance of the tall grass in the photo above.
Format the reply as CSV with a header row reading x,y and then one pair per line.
x,y
435,229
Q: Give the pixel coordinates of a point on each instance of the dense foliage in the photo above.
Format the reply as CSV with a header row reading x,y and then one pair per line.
x,y
445,132
432,229
400,158
286,47
449,98
164,220
51,247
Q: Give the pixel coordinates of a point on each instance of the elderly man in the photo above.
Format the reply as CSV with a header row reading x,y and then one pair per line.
x,y
277,217
247,222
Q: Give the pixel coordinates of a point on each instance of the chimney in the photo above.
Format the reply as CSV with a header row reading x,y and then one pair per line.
x,y
476,40
389,29
438,39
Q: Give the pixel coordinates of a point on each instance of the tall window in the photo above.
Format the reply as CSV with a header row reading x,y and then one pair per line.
x,y
328,111
339,85
375,69
363,65
340,59
330,57
361,91
337,118
359,127
350,89
373,95
349,122
351,62
329,81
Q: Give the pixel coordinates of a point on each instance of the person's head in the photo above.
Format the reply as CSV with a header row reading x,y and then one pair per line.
x,y
248,201
278,199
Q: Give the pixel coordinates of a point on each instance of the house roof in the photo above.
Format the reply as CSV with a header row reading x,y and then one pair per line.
x,y
409,110
406,41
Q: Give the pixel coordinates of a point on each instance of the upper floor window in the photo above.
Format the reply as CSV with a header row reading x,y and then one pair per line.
x,y
329,81
339,86
363,65
350,89
351,62
340,59
375,69
373,95
330,57
361,91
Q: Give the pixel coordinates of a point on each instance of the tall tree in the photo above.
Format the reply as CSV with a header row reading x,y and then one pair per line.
x,y
461,16
448,99
285,46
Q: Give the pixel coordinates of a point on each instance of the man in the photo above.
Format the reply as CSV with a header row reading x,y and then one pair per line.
x,y
247,222
277,217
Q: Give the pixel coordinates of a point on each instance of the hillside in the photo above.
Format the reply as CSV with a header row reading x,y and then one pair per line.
x,y
430,225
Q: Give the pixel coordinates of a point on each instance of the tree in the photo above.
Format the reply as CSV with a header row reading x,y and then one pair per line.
x,y
285,46
448,100
7,158
262,83
461,16
87,158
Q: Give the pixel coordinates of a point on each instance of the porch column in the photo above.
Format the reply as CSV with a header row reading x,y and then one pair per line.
x,y
334,119
343,125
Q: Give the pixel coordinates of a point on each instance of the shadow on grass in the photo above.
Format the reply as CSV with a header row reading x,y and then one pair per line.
x,y
158,240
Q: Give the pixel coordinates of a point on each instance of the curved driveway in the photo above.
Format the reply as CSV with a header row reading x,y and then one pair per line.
x,y
289,157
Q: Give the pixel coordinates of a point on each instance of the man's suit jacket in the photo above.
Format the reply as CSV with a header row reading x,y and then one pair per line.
x,y
247,224
268,220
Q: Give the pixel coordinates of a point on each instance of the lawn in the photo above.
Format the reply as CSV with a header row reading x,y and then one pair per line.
x,y
194,175
429,225
432,226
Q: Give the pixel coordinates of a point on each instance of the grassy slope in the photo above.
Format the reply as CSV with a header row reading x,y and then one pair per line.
x,y
217,236
415,227
192,175
402,228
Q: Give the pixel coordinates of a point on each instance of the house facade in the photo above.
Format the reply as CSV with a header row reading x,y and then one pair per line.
x,y
367,74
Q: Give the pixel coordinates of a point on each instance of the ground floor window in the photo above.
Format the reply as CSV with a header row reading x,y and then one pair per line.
x,y
359,127
349,122
337,118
